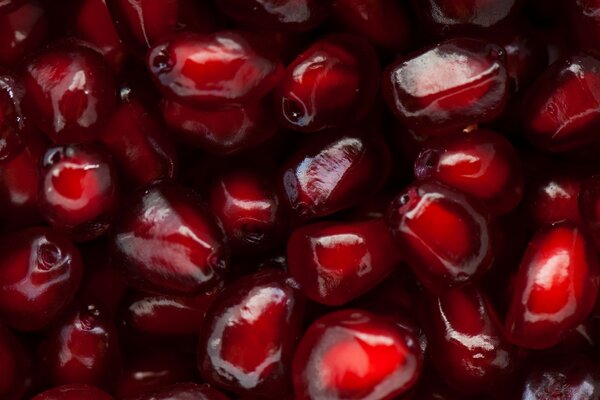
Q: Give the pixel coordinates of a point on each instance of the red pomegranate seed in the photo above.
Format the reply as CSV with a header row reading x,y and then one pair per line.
x,y
151,371
221,132
556,287
467,342
246,203
159,314
444,235
482,163
336,262
16,378
353,354
7,6
448,87
526,58
168,242
560,111
387,24
185,391
218,70
333,171
22,31
15,126
589,207
82,348
248,337
70,91
585,22
137,140
448,17
332,83
39,275
284,15
93,23
78,190
74,392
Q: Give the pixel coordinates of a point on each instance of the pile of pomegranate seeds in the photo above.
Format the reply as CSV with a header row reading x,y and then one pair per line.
x,y
299,199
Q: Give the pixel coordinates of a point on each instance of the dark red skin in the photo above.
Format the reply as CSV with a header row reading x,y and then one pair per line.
x,y
277,15
142,23
353,354
78,190
185,391
19,179
74,392
335,262
552,195
217,70
445,88
249,335
16,367
555,288
10,5
137,140
333,171
248,206
40,273
159,314
61,112
451,17
333,83
152,371
82,348
22,31
93,23
444,235
386,24
589,207
572,377
15,125
221,132
167,241
466,339
560,110
482,164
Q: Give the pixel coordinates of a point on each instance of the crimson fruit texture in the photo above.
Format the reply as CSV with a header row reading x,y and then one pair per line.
x,y
299,199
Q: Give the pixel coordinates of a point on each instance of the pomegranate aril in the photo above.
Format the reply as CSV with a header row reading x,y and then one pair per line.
x,y
589,207
335,262
16,367
185,391
137,140
159,314
93,23
74,392
467,342
481,163
39,275
78,190
449,17
444,235
556,287
167,241
15,126
22,31
224,69
333,171
70,92
386,24
277,15
353,354
248,337
561,110
7,6
151,371
333,83
82,348
585,21
221,132
142,23
526,58
448,87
